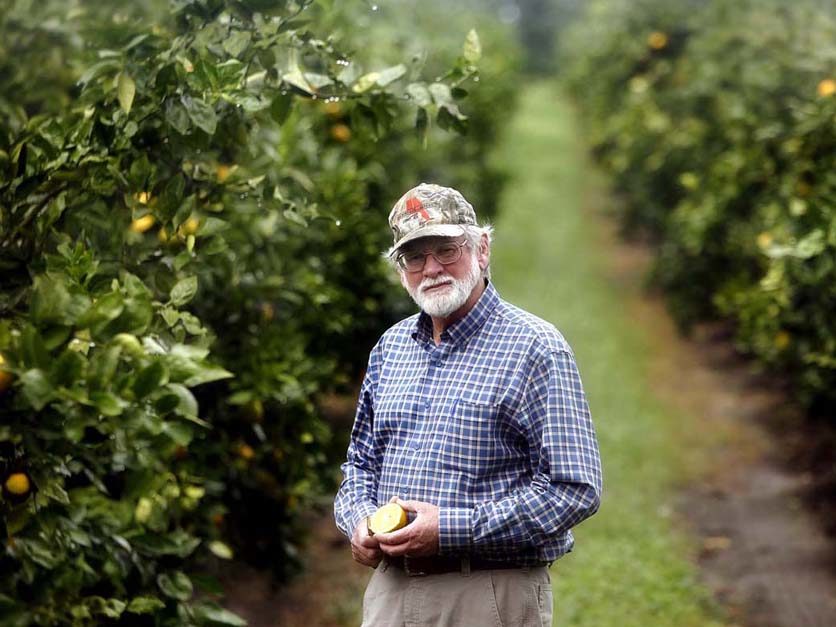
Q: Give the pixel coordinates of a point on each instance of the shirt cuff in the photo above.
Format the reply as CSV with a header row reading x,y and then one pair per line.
x,y
455,530
361,512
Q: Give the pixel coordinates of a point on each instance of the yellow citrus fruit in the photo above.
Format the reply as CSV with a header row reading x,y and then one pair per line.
x,y
143,197
17,483
140,225
223,171
826,88
340,133
390,517
333,109
765,240
189,227
657,40
246,451
782,340
5,377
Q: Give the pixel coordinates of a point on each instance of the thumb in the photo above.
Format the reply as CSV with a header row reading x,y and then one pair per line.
x,y
410,506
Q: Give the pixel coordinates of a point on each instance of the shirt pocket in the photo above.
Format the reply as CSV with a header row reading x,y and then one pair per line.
x,y
470,442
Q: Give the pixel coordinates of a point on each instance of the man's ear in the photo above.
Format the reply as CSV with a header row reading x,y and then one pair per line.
x,y
484,251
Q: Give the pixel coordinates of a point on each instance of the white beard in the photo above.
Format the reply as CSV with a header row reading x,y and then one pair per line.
x,y
444,303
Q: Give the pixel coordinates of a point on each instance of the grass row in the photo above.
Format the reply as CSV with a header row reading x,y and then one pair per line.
x,y
632,565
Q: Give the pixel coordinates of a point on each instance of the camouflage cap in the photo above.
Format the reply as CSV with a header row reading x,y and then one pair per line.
x,y
428,210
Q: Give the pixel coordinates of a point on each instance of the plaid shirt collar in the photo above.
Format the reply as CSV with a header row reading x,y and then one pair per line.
x,y
461,330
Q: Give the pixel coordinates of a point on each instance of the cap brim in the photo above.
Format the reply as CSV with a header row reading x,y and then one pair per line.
x,y
430,230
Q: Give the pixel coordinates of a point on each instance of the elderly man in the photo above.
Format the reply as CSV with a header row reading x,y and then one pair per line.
x,y
472,417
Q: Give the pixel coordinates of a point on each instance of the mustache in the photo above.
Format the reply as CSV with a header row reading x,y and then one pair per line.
x,y
443,280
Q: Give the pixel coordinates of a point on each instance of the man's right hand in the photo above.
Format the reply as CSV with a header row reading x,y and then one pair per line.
x,y
365,549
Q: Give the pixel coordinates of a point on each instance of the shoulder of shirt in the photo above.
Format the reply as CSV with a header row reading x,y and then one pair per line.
x,y
398,332
543,335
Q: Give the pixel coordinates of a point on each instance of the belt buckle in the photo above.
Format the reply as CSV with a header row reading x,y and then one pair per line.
x,y
411,571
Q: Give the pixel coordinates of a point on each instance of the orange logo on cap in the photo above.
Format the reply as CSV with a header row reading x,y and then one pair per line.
x,y
413,205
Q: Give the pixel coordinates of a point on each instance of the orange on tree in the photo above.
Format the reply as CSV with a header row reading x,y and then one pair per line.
x,y
6,377
246,451
782,340
223,171
17,484
140,225
189,227
333,109
143,198
826,88
657,40
340,133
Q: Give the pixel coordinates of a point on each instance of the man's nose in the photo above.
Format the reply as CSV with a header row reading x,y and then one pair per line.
x,y
431,266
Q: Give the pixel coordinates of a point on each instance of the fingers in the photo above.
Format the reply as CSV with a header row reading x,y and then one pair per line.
x,y
367,557
364,548
396,550
366,541
361,537
395,537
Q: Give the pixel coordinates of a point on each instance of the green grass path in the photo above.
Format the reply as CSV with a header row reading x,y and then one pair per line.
x,y
631,566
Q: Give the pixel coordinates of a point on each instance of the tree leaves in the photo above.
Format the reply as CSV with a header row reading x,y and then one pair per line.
x,y
176,585
201,113
126,90
183,291
111,327
36,388
144,605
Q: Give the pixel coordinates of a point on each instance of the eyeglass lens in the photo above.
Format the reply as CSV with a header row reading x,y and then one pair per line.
x,y
443,253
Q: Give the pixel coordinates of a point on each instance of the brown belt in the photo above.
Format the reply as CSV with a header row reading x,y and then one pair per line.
x,y
440,564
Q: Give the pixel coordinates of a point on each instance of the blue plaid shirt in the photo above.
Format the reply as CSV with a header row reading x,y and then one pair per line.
x,y
492,426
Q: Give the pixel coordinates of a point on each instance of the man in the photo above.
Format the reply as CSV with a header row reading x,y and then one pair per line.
x,y
472,417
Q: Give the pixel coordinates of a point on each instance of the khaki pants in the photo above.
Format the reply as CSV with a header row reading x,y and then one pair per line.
x,y
519,597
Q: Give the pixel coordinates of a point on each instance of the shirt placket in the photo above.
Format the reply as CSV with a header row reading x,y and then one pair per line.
x,y
428,414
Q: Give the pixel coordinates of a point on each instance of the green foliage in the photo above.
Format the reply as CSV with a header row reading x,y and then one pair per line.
x,y
190,237
717,124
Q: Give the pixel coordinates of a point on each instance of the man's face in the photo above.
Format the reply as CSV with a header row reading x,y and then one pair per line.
x,y
441,289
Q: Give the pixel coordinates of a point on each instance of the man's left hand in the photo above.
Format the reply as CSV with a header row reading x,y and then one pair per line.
x,y
419,538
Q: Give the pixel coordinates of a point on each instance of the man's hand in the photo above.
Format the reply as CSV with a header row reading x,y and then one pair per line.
x,y
419,538
364,548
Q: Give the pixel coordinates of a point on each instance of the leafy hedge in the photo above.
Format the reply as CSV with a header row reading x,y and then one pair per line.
x,y
192,208
716,120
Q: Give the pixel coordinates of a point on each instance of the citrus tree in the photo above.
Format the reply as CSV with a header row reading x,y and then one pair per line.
x,y
185,197
717,122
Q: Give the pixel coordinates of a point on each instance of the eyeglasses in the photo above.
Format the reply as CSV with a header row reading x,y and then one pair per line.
x,y
445,254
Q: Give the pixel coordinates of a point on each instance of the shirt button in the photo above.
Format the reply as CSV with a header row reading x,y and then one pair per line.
x,y
427,404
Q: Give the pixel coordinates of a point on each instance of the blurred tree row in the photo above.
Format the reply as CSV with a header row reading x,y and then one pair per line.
x,y
716,119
